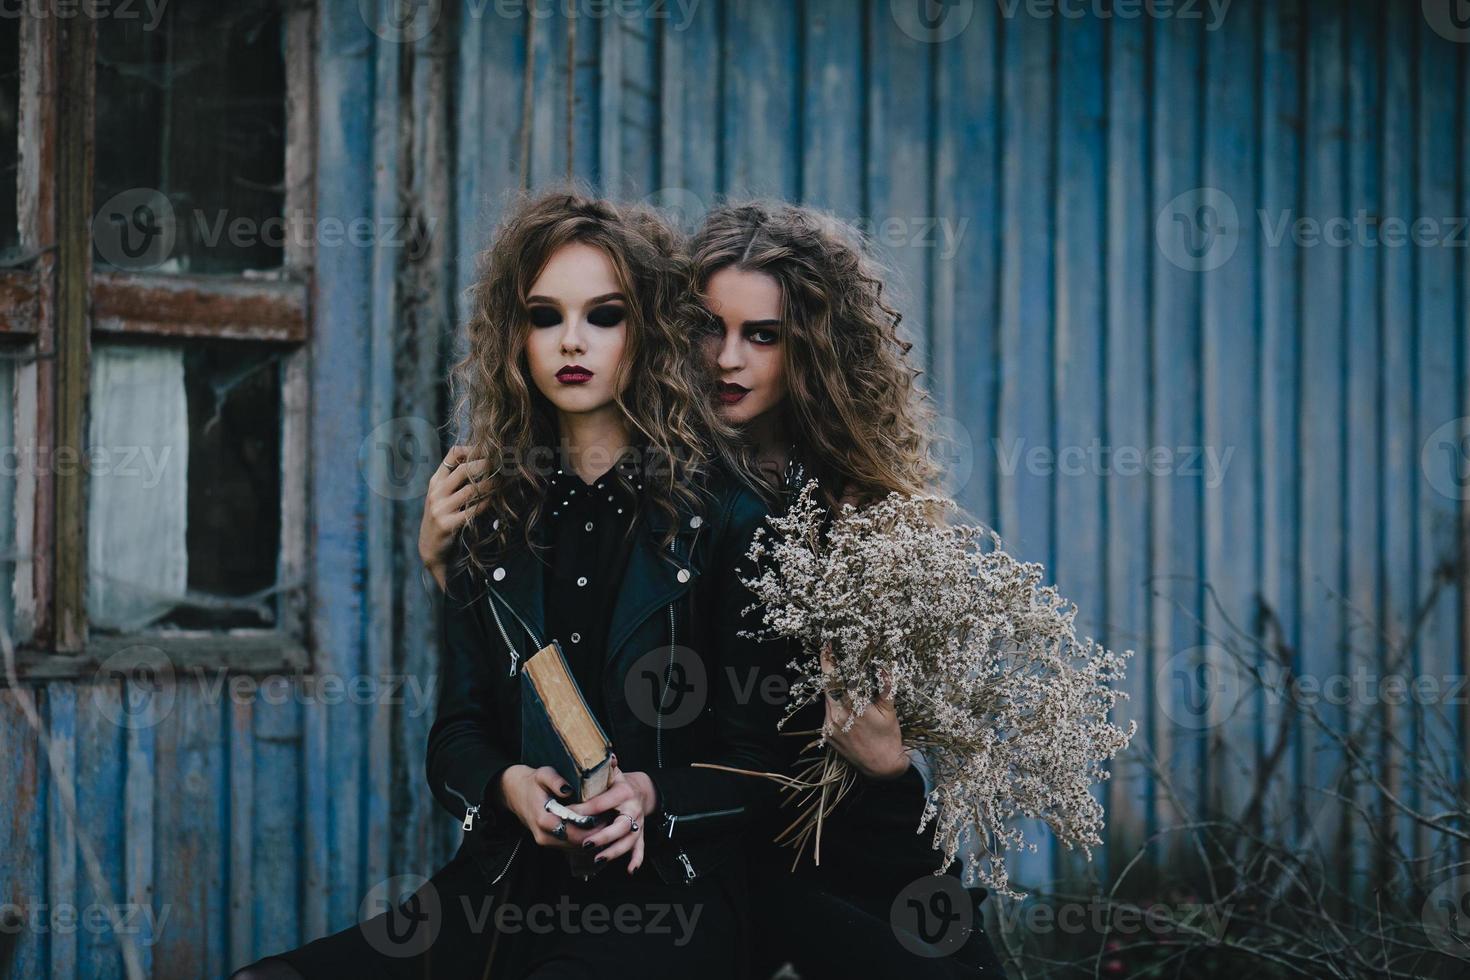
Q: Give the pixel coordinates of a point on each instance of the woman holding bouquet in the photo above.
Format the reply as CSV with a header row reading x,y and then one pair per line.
x,y
813,376
609,524
812,372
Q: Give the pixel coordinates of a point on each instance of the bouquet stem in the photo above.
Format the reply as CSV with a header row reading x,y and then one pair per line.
x,y
816,790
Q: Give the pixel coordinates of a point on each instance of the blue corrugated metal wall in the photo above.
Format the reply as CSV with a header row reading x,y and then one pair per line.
x,y
1053,193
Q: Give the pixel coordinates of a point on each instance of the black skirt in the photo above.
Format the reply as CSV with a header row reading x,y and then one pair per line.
x,y
874,907
541,922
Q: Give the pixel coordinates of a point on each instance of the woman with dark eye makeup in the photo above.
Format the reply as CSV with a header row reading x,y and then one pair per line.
x,y
611,524
811,371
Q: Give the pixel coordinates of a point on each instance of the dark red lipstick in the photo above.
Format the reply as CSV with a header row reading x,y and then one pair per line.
x,y
574,374
730,392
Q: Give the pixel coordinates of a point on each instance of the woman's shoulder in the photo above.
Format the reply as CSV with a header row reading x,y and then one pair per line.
x,y
736,500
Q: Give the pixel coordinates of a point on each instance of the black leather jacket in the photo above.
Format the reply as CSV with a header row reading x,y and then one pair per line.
x,y
686,602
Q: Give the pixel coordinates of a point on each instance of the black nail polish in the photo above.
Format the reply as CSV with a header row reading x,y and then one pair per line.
x,y
565,790
598,860
589,843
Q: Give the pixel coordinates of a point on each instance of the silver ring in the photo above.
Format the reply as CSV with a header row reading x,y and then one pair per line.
x,y
547,805
630,819
560,830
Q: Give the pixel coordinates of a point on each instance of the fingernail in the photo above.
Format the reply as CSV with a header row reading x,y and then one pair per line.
x,y
589,843
565,790
598,860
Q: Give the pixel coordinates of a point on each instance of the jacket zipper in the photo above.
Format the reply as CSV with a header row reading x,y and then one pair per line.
x,y
513,852
689,873
703,815
515,658
472,810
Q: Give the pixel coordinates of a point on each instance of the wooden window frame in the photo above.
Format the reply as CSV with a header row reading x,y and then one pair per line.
x,y
55,303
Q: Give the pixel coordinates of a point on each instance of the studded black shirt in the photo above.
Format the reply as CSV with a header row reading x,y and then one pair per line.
x,y
588,527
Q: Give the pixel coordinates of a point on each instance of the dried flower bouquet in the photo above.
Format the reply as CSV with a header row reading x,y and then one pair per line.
x,y
983,663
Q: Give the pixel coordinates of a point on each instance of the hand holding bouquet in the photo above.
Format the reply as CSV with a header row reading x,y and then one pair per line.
x,y
891,604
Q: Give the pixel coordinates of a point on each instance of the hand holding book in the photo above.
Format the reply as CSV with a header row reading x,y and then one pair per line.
x,y
525,791
628,801
578,775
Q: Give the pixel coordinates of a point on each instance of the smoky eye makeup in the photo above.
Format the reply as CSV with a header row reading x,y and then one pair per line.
x,y
607,315
762,334
544,316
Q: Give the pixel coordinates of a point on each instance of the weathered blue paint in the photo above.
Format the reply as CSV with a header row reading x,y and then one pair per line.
x,y
1362,325
1025,509
1282,146
336,759
1230,347
1321,472
1052,319
1126,412
1401,479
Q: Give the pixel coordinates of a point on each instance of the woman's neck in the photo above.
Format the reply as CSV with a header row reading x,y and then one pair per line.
x,y
592,442
767,436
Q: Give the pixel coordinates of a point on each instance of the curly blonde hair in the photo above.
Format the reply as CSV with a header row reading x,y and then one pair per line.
x,y
860,420
663,386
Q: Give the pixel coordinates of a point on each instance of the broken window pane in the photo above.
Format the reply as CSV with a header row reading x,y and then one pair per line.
x,y
191,145
9,135
185,487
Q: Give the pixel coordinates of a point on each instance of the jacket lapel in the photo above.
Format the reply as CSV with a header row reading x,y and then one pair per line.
x,y
654,577
522,587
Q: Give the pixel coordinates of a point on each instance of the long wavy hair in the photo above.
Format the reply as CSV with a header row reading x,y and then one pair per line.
x,y
859,418
663,385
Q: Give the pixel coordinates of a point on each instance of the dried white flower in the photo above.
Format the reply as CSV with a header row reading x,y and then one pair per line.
x,y
988,675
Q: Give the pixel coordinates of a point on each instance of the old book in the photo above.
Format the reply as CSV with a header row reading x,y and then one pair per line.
x,y
557,727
